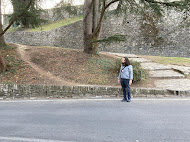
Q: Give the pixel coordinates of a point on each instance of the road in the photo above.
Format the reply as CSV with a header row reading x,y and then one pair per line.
x,y
142,120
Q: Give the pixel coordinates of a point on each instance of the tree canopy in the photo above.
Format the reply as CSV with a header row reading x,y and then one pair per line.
x,y
30,17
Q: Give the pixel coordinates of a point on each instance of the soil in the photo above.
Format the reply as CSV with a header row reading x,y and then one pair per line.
x,y
60,66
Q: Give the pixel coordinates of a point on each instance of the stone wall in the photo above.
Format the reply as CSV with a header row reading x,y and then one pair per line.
x,y
163,37
12,91
69,36
61,13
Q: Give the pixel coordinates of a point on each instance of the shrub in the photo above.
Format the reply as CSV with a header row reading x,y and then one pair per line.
x,y
138,72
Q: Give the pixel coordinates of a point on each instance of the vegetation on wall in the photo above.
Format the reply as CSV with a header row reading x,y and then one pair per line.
x,y
150,30
63,7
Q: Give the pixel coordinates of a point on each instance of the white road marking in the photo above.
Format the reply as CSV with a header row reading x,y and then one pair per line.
x,y
30,139
102,99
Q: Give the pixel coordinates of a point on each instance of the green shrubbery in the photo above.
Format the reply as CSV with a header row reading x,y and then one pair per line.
x,y
138,73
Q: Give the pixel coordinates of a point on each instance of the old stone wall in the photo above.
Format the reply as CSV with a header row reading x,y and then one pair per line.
x,y
11,91
69,36
61,13
145,35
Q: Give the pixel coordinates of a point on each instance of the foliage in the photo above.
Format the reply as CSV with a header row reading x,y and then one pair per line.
x,y
149,29
66,7
30,17
138,73
111,39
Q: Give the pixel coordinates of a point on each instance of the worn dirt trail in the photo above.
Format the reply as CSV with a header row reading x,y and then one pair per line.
x,y
22,50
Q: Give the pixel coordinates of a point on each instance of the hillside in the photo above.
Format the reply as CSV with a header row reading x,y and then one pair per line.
x,y
58,66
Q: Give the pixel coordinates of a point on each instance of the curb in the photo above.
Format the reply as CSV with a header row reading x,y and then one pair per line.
x,y
14,91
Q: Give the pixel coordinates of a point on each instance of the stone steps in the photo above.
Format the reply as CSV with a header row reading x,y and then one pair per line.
x,y
154,66
124,55
140,60
165,74
169,77
174,84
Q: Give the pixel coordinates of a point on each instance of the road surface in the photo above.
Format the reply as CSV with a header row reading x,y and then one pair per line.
x,y
142,120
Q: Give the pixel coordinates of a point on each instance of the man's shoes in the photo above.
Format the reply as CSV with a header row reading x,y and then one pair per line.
x,y
124,100
128,100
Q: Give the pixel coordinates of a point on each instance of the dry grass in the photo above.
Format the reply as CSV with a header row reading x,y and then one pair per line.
x,y
67,64
18,71
169,60
75,65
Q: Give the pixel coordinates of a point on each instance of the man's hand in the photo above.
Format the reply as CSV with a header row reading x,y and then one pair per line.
x,y
130,82
118,81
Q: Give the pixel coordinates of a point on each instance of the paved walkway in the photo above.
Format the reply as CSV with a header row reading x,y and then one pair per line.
x,y
170,77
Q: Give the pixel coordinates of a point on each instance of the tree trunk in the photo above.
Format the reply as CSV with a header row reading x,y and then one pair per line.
x,y
2,64
2,41
95,14
90,22
95,24
87,25
2,44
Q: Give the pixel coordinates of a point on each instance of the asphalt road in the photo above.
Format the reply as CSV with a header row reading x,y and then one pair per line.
x,y
95,121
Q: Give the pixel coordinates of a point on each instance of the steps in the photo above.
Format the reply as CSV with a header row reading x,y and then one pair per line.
x,y
165,74
169,77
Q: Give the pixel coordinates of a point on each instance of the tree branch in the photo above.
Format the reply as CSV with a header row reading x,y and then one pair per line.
x,y
111,3
16,18
104,7
174,3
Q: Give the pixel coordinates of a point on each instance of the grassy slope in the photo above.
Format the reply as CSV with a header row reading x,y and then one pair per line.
x,y
69,64
51,26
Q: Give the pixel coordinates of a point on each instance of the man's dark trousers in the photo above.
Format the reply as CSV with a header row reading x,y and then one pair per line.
x,y
125,84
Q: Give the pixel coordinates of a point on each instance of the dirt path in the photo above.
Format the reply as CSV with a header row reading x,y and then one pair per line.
x,y
22,50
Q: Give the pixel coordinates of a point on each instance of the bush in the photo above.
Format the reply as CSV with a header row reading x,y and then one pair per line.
x,y
138,73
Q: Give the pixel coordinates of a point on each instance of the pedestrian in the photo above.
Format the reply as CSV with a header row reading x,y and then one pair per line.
x,y
125,78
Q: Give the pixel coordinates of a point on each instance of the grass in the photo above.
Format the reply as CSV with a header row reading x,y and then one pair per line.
x,y
49,26
170,60
12,29
56,24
